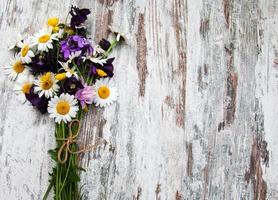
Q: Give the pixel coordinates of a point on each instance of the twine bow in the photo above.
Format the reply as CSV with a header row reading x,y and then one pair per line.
x,y
71,140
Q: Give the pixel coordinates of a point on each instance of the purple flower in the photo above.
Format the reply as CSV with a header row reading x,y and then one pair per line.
x,y
104,44
76,43
72,85
107,67
85,95
40,103
78,16
44,63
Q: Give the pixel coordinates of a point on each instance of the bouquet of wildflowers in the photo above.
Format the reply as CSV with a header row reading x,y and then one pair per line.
x,y
59,72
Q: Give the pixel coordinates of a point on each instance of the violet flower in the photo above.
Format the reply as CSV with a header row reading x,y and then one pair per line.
x,y
78,16
74,44
72,85
85,95
107,67
40,103
45,63
104,44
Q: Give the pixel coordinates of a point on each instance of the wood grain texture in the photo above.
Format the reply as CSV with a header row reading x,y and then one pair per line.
x,y
197,111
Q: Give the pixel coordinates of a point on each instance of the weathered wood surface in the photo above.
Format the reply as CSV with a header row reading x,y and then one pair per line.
x,y
197,111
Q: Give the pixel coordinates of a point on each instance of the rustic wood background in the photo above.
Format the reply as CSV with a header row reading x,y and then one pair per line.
x,y
197,111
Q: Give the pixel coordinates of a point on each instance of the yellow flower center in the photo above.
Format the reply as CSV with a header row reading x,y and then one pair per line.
x,y
26,88
24,50
71,71
101,73
44,38
103,92
46,81
63,107
53,21
18,67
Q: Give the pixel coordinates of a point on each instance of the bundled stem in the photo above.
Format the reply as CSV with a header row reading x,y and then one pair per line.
x,y
65,176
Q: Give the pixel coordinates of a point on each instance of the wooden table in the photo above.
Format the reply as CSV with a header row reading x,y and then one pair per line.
x,y
197,111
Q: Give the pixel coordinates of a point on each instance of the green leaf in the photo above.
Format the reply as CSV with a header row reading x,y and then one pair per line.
x,y
81,169
53,154
73,177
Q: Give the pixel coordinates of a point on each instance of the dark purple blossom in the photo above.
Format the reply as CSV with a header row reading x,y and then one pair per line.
x,y
40,103
107,67
72,85
78,16
74,44
44,63
104,44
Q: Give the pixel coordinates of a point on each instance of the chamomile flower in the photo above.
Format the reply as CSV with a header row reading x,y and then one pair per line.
x,y
69,71
105,92
15,40
60,33
98,60
25,52
63,108
46,85
15,68
120,36
74,55
98,50
23,86
44,39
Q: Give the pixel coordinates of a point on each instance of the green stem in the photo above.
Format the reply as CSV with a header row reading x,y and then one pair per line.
x,y
113,44
66,174
67,19
58,166
76,67
47,191
57,49
62,166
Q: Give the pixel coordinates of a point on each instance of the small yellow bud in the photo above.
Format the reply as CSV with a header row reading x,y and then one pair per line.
x,y
60,76
85,109
101,73
53,21
69,30
56,29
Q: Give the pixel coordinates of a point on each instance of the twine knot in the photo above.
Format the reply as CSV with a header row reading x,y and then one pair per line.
x,y
71,139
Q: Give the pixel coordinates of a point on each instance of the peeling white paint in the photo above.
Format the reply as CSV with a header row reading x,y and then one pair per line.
x,y
159,144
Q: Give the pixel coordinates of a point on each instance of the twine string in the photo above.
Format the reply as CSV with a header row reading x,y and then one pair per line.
x,y
65,147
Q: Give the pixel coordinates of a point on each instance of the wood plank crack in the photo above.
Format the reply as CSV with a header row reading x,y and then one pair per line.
x,y
141,57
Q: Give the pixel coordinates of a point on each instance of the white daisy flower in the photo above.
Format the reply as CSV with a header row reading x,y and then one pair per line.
x,y
44,39
15,68
25,53
69,71
60,33
15,40
105,92
23,86
98,50
46,85
120,36
98,60
63,108
74,55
